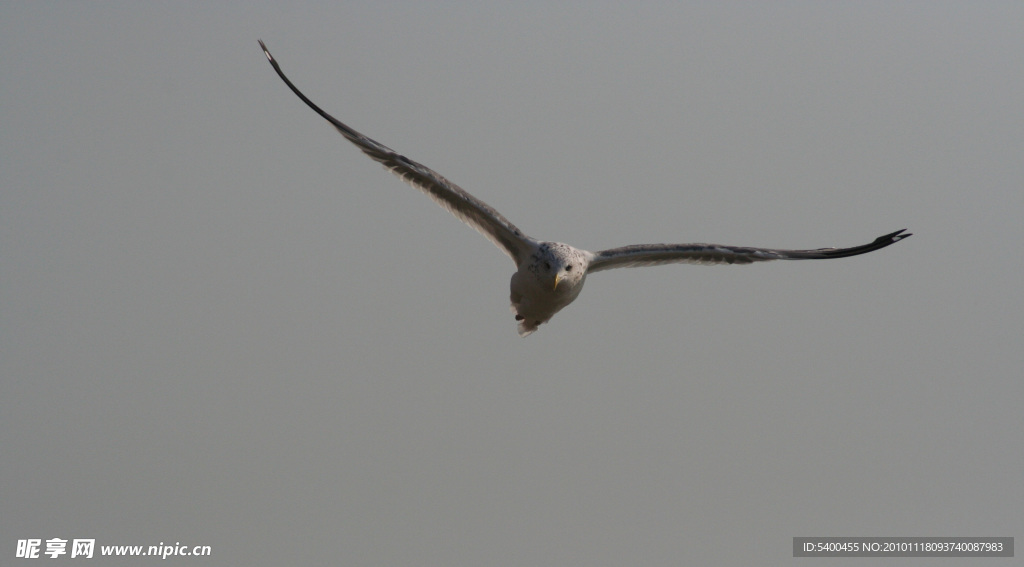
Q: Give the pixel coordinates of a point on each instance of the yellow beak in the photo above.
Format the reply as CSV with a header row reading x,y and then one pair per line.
x,y
558,278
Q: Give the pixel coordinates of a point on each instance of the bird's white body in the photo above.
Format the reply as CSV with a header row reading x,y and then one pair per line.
x,y
550,275
547,281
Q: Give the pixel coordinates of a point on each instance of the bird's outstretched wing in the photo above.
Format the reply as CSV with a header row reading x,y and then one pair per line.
x,y
657,254
456,200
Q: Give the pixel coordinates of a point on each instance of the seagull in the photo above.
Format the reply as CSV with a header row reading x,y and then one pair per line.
x,y
550,275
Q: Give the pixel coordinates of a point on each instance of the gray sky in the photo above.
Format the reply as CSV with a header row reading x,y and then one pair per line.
x,y
220,324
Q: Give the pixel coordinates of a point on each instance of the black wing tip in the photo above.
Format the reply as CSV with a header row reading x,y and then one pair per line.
x,y
894,237
265,50
877,244
881,242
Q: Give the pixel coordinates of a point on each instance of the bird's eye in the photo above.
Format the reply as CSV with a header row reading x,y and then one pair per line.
x,y
568,268
547,266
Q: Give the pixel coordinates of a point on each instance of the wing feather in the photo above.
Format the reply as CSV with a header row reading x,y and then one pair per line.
x,y
450,196
639,255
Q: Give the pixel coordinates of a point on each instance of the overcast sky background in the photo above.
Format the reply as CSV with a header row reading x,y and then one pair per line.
x,y
221,324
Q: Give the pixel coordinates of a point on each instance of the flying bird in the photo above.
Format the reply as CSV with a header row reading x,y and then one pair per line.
x,y
550,275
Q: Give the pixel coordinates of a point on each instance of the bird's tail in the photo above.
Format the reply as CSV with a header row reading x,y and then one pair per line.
x,y
526,328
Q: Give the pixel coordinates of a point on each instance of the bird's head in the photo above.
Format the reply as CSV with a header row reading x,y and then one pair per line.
x,y
560,267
